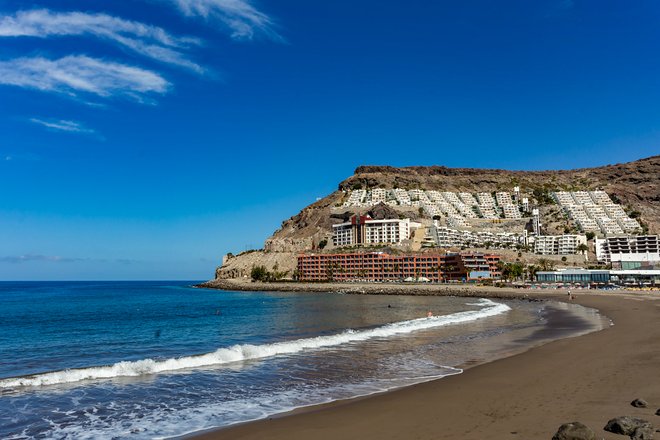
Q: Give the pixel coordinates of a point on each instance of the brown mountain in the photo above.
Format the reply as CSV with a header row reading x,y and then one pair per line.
x,y
635,185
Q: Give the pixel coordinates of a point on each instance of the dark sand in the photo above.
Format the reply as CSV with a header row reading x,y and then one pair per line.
x,y
589,378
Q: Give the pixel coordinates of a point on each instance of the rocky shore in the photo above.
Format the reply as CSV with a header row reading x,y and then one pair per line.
x,y
246,285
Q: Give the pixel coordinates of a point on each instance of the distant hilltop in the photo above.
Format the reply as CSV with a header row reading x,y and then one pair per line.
x,y
458,201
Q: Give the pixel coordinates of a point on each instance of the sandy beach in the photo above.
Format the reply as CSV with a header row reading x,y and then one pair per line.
x,y
591,379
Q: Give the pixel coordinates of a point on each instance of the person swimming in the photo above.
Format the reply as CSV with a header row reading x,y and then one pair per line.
x,y
429,314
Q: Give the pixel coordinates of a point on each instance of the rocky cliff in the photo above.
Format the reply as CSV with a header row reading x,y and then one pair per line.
x,y
636,185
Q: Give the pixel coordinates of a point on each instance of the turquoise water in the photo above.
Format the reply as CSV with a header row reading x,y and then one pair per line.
x,y
161,359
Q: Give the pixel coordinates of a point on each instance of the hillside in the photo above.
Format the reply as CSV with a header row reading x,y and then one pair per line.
x,y
634,185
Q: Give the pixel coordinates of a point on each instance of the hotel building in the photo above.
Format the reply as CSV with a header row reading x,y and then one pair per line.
x,y
380,267
365,230
629,251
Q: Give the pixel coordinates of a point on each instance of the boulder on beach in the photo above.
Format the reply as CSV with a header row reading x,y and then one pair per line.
x,y
642,433
639,403
630,426
657,413
574,431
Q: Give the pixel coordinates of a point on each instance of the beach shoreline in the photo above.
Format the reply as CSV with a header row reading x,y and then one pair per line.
x,y
598,364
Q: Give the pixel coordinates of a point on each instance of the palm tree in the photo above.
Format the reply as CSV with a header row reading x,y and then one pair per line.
x,y
546,265
531,270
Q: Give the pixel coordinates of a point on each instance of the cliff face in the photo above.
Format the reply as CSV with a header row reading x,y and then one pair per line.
x,y
636,185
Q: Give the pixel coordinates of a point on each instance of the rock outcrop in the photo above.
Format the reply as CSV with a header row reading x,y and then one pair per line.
x,y
636,429
574,431
639,403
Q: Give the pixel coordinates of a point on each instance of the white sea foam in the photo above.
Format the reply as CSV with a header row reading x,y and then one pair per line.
x,y
247,352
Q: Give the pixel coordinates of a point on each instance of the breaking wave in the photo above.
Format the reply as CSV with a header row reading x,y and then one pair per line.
x,y
244,352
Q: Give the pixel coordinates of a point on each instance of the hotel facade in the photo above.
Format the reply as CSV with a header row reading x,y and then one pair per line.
x,y
365,230
382,267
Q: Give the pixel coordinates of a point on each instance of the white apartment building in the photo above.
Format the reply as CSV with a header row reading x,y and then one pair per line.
x,y
629,251
468,199
511,211
594,211
558,244
365,230
449,237
456,221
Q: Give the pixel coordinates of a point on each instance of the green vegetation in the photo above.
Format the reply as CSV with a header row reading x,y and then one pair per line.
x,y
590,235
511,271
542,196
260,273
546,265
323,243
582,248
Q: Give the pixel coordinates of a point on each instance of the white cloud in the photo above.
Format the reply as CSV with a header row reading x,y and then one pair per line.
x,y
78,74
243,19
151,41
63,125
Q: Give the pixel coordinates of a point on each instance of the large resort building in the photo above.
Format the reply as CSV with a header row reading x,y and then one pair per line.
x,y
629,251
383,267
452,238
594,211
365,230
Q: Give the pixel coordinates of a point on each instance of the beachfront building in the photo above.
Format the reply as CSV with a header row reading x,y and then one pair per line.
x,y
635,277
558,244
587,277
629,251
365,230
574,276
383,267
481,266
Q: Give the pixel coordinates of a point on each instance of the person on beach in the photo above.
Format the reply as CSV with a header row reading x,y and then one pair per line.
x,y
429,314
570,297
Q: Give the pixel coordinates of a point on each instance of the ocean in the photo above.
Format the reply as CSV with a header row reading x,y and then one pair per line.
x,y
95,360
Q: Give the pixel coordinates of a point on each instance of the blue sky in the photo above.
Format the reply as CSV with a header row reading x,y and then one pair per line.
x,y
143,139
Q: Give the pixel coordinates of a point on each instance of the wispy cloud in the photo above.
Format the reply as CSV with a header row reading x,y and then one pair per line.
x,y
38,257
11,157
29,258
62,125
242,19
147,40
79,74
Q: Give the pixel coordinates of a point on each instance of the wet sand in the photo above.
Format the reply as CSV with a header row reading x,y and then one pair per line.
x,y
590,378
